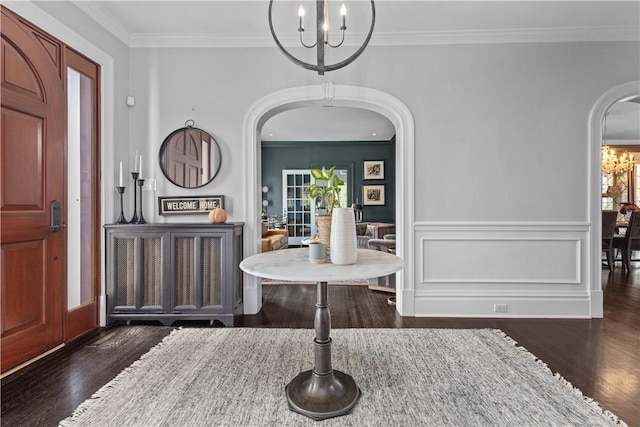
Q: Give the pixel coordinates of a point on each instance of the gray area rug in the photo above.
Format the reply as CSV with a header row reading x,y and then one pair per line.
x,y
408,377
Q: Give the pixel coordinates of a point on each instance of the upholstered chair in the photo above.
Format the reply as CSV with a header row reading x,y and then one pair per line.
x,y
384,283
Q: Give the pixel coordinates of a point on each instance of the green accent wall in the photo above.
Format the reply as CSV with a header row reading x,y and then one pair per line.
x,y
351,155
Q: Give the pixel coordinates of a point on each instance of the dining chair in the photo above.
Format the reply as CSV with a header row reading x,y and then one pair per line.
x,y
608,232
630,241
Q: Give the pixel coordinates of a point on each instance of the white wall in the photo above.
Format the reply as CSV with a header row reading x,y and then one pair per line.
x,y
501,155
509,120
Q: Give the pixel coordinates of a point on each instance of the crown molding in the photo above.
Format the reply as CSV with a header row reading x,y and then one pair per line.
x,y
106,20
165,40
418,38
512,35
422,38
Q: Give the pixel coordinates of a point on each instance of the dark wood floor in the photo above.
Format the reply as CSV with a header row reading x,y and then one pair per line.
x,y
600,357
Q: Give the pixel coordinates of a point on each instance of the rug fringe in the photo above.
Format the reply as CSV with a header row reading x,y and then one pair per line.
x,y
613,417
96,398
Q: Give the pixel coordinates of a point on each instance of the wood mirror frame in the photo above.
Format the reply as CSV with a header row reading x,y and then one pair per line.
x,y
190,157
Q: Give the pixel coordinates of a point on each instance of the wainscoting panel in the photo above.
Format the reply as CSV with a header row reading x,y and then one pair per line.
x,y
502,270
505,261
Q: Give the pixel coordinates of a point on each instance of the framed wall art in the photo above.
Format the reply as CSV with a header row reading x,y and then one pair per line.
x,y
373,194
374,169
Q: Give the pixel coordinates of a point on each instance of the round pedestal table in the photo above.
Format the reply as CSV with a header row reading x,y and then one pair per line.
x,y
322,392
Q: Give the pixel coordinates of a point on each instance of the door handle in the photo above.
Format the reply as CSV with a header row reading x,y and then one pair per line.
x,y
56,217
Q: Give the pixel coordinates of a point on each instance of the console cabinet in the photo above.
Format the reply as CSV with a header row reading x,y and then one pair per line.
x,y
170,272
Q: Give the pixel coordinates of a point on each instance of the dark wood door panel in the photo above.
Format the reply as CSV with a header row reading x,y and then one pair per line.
x,y
32,176
22,307
31,322
18,74
22,161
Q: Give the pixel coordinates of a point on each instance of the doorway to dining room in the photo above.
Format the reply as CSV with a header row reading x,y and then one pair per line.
x,y
627,91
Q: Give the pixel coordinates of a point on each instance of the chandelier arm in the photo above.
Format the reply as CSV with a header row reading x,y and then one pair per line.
x,y
321,67
303,44
289,56
339,44
357,53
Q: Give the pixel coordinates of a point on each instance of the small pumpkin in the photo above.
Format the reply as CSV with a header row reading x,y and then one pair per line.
x,y
218,216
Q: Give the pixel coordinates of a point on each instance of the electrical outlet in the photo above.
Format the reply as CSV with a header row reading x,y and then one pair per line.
x,y
500,308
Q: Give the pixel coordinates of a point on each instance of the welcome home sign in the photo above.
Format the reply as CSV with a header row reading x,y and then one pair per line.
x,y
189,205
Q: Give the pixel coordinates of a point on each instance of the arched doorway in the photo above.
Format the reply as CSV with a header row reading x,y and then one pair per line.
x,y
598,111
336,95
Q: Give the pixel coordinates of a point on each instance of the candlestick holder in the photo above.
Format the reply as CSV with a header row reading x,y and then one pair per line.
x,y
122,219
134,218
141,219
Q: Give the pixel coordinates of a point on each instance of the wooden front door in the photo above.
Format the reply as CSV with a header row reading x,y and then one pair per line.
x,y
32,181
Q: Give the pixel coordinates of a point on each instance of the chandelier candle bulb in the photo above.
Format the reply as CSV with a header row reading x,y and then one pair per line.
x,y
301,15
343,13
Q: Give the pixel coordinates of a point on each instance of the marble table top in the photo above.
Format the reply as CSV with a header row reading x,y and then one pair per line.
x,y
294,265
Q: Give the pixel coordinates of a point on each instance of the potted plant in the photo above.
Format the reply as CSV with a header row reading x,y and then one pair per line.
x,y
326,190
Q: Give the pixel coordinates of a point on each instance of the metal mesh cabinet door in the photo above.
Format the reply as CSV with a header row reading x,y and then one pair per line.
x,y
212,271
198,272
184,274
151,282
135,272
124,269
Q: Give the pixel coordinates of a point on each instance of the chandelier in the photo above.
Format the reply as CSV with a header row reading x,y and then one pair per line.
x,y
322,37
611,162
614,164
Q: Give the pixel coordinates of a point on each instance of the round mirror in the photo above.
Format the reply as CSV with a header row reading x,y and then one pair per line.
x,y
190,157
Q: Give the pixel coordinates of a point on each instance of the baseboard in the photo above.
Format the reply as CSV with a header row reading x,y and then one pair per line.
x,y
567,307
597,302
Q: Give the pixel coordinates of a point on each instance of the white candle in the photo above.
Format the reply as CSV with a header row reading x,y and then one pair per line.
x,y
121,174
301,15
140,167
135,162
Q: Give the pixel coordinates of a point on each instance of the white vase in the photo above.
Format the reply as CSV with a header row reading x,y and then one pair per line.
x,y
344,244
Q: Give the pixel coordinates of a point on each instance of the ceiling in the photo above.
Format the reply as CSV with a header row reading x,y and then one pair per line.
x,y
241,23
622,122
